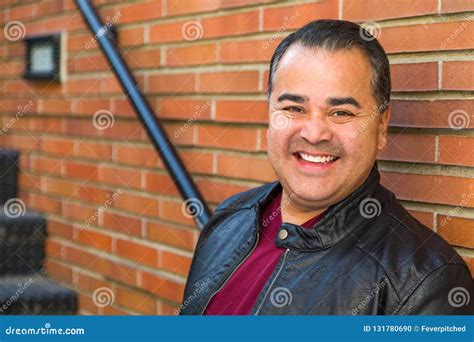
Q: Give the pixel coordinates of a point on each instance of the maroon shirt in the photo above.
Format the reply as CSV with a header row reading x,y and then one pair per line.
x,y
239,294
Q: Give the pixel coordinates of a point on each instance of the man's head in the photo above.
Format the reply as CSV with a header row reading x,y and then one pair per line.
x,y
328,92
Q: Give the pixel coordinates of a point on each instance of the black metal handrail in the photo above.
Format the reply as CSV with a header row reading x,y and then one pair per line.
x,y
195,204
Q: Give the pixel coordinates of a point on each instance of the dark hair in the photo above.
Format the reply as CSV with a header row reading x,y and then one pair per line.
x,y
333,35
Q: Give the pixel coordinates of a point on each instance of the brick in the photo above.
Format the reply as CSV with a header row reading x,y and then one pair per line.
x,y
171,235
137,59
227,137
416,76
230,25
81,171
57,187
242,111
370,10
174,263
457,231
122,223
409,147
59,271
174,211
295,16
427,114
59,228
177,83
229,82
248,51
422,37
430,188
91,150
136,301
79,213
458,75
46,165
450,6
172,32
162,287
140,12
94,239
182,108
137,204
50,106
456,150
131,36
88,63
160,184
137,252
134,155
192,55
124,178
198,161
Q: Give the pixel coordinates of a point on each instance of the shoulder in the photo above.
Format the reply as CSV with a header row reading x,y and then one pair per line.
x,y
409,252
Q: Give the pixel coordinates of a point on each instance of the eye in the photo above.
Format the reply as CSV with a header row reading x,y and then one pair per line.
x,y
342,113
294,109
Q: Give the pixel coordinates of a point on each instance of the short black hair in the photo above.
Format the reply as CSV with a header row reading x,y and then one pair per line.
x,y
334,35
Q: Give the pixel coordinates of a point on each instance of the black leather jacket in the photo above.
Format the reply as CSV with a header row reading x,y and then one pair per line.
x,y
384,262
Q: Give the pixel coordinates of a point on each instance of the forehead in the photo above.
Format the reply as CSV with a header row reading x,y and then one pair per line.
x,y
318,73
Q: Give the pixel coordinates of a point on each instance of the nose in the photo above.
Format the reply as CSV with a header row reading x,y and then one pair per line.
x,y
316,129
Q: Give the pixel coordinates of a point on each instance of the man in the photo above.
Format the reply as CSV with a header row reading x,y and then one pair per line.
x,y
326,238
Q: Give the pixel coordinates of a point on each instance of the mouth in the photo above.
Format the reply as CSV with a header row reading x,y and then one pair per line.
x,y
314,161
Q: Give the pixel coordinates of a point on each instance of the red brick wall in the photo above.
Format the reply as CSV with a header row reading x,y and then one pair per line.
x,y
207,84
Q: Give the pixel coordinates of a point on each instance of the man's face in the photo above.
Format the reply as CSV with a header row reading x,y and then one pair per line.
x,y
324,131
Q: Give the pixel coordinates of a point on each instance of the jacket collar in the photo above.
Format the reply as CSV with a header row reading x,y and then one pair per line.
x,y
353,212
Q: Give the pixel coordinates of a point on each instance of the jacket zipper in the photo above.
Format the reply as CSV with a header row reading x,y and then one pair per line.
x,y
273,281
232,273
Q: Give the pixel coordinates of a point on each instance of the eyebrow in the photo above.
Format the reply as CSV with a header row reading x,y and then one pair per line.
x,y
292,97
337,101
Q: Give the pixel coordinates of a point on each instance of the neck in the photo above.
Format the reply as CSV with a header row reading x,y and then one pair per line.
x,y
293,213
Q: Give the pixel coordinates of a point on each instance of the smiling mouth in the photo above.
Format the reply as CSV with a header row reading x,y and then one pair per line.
x,y
321,159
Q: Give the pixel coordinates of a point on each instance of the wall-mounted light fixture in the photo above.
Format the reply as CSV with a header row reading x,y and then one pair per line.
x,y
43,60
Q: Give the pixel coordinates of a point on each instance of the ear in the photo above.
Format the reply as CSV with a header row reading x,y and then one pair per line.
x,y
383,128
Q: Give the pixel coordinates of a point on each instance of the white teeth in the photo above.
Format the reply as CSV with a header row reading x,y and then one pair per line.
x,y
323,159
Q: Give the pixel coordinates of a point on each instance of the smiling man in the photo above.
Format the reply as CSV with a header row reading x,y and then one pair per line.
x,y
325,238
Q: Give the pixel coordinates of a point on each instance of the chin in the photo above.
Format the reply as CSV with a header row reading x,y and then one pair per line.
x,y
313,191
